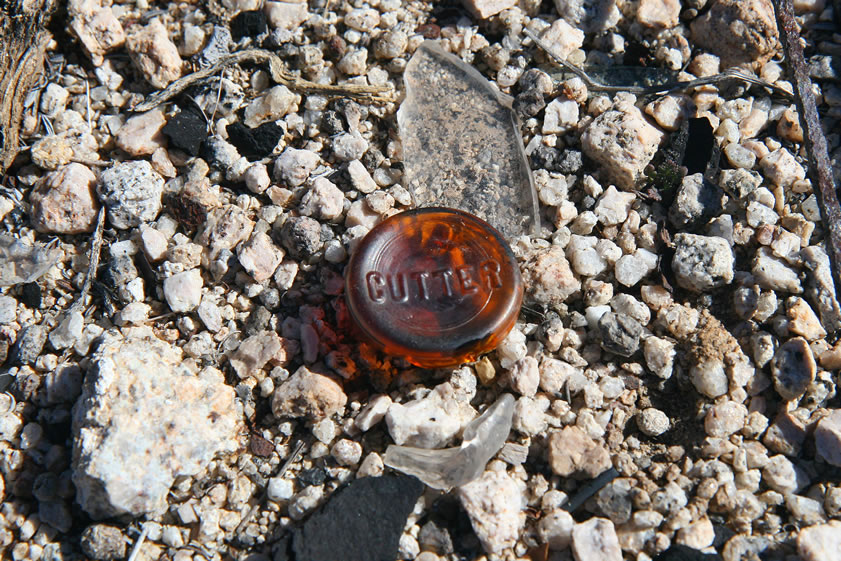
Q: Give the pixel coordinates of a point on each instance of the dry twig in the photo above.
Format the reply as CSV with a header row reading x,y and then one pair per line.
x,y
664,87
820,168
93,261
377,94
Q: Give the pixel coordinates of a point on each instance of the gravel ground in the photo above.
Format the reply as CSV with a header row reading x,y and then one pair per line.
x,y
203,394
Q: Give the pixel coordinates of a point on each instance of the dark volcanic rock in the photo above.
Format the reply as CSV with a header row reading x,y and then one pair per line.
x,y
362,522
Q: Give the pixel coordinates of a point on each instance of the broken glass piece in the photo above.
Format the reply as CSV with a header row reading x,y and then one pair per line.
x,y
452,467
462,146
21,262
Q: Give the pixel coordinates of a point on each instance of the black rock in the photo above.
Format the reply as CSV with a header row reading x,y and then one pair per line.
x,y
313,476
331,123
685,553
435,538
544,157
620,333
362,522
255,143
186,131
248,24
30,295
570,161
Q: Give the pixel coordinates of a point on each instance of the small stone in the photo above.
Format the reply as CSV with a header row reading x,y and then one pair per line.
x,y
432,421
286,15
620,333
563,38
709,378
483,9
724,419
186,130
549,279
622,143
781,168
142,134
98,29
294,166
360,178
793,368
346,452
254,144
803,321
64,202
280,489
155,54
613,206
145,416
739,156
256,351
103,542
323,200
555,529
301,236
224,229
269,106
596,539
348,147
572,452
560,116
183,291
659,356
524,376
696,201
783,476
131,191
68,331
372,413
652,422
702,263
391,44
738,31
494,503
658,13
631,269
29,344
256,178
821,542
773,273
828,437
259,256
308,394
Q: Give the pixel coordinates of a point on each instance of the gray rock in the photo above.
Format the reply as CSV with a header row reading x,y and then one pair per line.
x,y
828,437
614,500
144,418
301,236
432,421
702,263
772,273
29,344
793,368
103,542
740,182
8,309
56,514
224,229
820,288
696,201
620,333
131,191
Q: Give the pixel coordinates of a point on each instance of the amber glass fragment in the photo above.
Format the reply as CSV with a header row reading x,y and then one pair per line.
x,y
436,286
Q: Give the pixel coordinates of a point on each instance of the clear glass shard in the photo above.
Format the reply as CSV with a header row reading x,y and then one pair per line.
x,y
462,146
452,467
21,262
